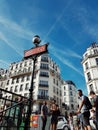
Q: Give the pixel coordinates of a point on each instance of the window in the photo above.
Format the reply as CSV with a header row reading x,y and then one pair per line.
x,y
20,65
96,61
22,79
57,91
43,83
88,76
8,82
60,93
28,77
16,88
70,87
54,81
16,66
43,92
71,93
44,74
95,51
11,89
12,81
64,88
30,63
1,84
44,58
86,65
6,89
29,69
21,87
64,93
57,82
25,64
11,67
91,87
17,80
44,66
27,86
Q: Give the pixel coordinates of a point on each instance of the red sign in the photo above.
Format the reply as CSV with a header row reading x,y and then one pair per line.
x,y
36,50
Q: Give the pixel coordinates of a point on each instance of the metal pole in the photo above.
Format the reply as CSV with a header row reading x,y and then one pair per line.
x,y
36,41
30,100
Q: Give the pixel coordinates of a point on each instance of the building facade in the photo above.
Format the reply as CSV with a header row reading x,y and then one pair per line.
x,y
46,80
90,67
4,74
69,96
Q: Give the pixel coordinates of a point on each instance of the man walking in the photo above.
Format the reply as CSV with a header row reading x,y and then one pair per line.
x,y
44,112
84,110
95,104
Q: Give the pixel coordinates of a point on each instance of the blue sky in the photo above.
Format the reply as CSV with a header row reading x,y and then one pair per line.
x,y
70,26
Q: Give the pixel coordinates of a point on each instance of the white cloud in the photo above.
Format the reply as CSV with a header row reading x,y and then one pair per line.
x,y
59,17
87,19
4,62
60,55
65,52
15,28
68,63
3,38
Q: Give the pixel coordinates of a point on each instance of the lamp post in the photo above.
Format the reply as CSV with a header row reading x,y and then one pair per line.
x,y
34,52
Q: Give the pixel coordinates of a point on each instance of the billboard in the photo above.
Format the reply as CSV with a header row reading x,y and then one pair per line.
x,y
35,51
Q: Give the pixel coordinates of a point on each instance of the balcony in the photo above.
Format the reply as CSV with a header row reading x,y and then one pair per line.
x,y
20,73
43,85
44,60
43,97
44,67
43,75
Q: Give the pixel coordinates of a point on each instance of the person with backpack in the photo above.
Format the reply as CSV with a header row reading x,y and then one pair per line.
x,y
84,110
95,105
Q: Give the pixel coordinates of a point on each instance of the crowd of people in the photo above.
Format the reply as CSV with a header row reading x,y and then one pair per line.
x,y
79,120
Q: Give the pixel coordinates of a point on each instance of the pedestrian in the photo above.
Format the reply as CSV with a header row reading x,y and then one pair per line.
x,y
44,112
75,121
93,118
54,120
84,110
95,104
71,120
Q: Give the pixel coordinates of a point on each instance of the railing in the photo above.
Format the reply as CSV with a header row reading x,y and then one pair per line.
x,y
24,72
13,111
43,97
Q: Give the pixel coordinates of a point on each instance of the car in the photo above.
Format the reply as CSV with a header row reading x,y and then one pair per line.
x,y
62,123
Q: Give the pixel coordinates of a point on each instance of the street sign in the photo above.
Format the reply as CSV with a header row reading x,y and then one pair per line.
x,y
35,51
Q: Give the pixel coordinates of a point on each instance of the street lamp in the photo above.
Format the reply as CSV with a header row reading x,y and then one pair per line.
x,y
36,40
33,53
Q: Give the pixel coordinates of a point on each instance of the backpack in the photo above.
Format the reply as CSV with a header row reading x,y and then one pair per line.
x,y
88,103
